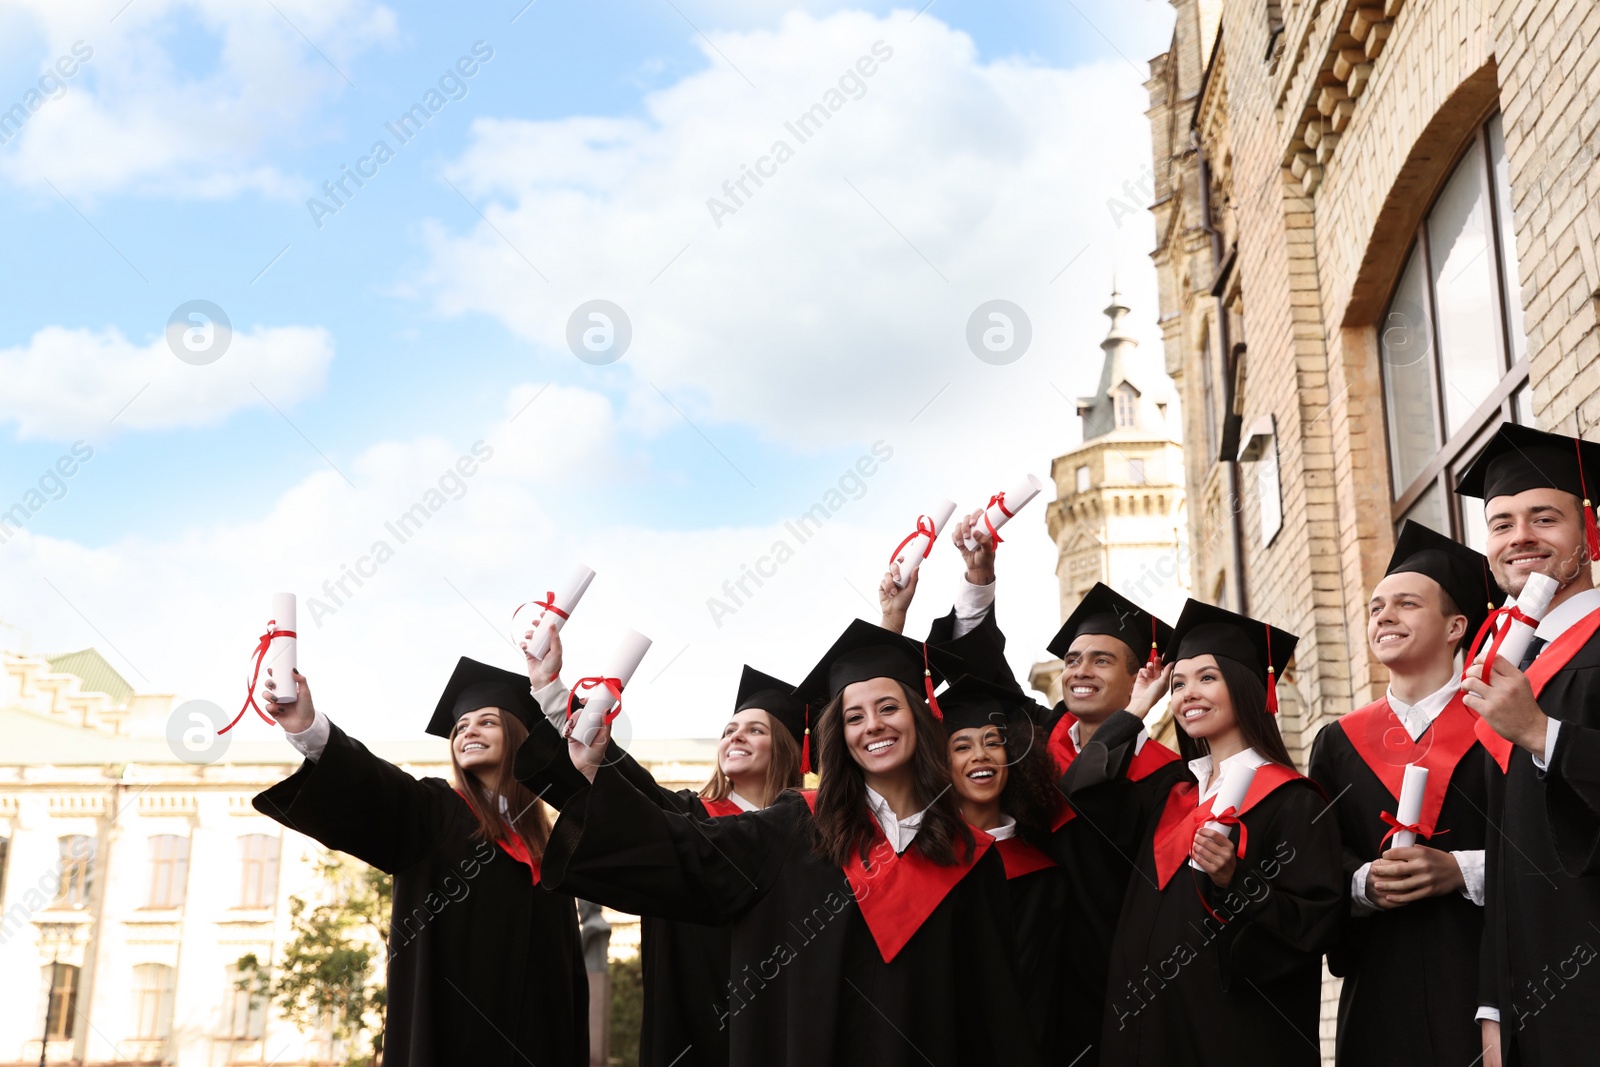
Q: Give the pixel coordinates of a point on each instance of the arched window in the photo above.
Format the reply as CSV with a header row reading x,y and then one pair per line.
x,y
154,985
1452,344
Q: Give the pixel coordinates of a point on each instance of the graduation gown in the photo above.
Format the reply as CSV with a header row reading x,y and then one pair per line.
x,y
1038,889
1411,973
1208,976
931,981
1113,796
684,965
485,967
1540,961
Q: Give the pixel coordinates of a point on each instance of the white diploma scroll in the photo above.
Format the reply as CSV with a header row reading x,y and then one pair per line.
x,y
910,555
1232,793
547,622
599,700
1534,602
281,656
1410,806
1012,501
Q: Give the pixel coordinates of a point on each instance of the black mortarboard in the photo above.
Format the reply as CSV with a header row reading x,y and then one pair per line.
x,y
1203,629
974,701
866,651
1519,458
477,685
1103,610
1459,570
776,698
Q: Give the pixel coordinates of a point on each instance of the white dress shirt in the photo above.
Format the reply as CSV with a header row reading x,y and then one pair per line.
x,y
1416,718
1005,831
1075,735
972,604
899,832
1201,769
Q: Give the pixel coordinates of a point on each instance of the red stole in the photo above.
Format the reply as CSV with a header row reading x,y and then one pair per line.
x,y
898,893
515,848
718,808
1021,858
1554,656
1151,757
1383,744
1183,815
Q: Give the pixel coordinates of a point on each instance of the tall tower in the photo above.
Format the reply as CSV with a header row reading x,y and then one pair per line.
x,y
1118,516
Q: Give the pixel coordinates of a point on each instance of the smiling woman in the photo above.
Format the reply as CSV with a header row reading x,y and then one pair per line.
x,y
505,951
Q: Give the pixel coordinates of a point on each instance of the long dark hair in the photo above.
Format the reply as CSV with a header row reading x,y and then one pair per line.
x,y
1260,729
1030,795
526,815
783,766
844,825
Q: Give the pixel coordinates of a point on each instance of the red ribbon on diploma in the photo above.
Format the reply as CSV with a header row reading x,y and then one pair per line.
x,y
999,501
263,643
1509,613
924,526
548,604
597,682
1230,817
1421,829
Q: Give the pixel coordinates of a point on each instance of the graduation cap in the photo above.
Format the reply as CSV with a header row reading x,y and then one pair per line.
x,y
1105,611
1460,571
477,685
972,701
1519,458
1207,630
776,698
866,651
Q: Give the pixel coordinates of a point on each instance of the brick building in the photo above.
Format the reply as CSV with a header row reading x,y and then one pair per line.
x,y
1376,240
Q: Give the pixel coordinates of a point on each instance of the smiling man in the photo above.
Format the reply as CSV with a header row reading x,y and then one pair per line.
x,y
1423,901
1541,980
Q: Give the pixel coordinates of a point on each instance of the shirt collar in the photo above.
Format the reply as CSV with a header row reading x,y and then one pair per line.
x,y
1006,830
743,804
899,832
1559,619
1416,718
1201,769
1073,735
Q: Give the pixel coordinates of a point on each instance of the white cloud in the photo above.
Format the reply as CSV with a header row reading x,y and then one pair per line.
x,y
67,382
841,287
136,116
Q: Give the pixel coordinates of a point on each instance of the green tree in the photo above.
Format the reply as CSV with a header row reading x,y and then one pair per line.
x,y
331,972
627,1010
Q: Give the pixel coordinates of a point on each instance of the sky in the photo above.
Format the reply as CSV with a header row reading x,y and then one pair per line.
x,y
284,272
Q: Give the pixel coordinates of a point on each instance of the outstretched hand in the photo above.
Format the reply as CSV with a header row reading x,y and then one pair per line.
x,y
587,758
297,715
1149,686
894,601
546,669
980,560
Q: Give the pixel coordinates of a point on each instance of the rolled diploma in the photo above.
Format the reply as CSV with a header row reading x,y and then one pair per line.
x,y
567,599
910,557
1534,602
1234,789
1409,810
1015,500
600,701
281,654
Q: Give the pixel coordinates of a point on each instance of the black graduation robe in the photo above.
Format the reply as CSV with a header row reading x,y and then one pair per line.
x,y
1113,796
1540,963
1040,912
684,965
1207,976
485,967
1411,973
810,983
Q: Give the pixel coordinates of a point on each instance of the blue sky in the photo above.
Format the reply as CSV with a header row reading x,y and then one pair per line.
x,y
769,352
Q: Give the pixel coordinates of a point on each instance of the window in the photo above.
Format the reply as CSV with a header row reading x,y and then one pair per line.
x,y
5,854
76,860
1083,479
1135,472
153,986
245,1006
61,1001
169,870
259,862
1126,398
1452,349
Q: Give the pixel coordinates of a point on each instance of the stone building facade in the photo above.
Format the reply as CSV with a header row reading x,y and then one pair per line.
x,y
1118,516
1376,240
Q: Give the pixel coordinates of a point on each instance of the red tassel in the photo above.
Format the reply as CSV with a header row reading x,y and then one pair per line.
x,y
1272,692
927,685
805,744
1155,652
1591,533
